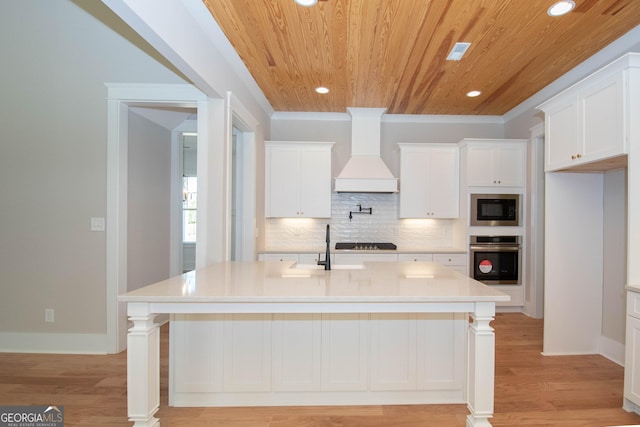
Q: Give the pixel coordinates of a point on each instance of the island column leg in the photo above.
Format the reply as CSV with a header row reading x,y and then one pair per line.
x,y
143,367
481,365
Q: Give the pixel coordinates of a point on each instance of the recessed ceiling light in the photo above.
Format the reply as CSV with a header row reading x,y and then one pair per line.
x,y
322,89
474,93
561,8
306,3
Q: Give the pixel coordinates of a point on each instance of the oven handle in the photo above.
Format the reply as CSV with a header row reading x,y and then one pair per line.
x,y
494,248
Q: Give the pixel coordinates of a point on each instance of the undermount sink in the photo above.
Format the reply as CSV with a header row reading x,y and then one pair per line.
x,y
333,267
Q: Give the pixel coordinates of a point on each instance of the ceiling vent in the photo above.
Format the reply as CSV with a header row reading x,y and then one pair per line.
x,y
458,51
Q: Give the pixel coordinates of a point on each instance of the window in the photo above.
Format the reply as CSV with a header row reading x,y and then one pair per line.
x,y
189,205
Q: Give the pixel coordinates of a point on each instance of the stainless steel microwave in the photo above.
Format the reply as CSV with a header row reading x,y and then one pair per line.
x,y
495,210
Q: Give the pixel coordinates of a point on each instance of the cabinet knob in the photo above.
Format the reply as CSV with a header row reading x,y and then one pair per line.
x,y
578,155
573,157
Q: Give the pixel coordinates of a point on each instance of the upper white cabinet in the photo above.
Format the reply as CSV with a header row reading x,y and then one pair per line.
x,y
298,179
589,122
495,163
429,181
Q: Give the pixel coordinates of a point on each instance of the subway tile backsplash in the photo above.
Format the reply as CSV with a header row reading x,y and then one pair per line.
x,y
382,225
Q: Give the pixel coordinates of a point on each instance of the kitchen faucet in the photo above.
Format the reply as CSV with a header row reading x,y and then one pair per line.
x,y
327,256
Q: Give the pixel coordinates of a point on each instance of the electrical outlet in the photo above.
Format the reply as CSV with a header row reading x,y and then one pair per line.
x,y
48,315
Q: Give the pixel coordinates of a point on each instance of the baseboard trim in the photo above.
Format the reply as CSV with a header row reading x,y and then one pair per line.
x,y
612,350
13,342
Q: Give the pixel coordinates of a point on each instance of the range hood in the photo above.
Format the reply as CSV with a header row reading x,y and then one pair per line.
x,y
365,172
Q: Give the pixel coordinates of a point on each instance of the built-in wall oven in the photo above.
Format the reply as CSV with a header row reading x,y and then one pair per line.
x,y
495,210
495,260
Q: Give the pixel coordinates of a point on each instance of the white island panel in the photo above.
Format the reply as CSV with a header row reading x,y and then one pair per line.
x,y
257,306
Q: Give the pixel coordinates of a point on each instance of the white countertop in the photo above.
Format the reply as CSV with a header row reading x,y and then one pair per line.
x,y
282,282
399,250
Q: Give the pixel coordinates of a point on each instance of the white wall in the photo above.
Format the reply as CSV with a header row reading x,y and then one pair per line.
x,y
56,59
615,257
573,263
148,205
336,127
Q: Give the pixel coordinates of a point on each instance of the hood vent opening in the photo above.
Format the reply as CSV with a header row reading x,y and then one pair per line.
x,y
365,172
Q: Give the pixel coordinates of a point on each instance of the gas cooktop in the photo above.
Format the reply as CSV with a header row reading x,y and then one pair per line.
x,y
360,246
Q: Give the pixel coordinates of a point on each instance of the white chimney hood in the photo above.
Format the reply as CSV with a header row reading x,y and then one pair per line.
x,y
365,172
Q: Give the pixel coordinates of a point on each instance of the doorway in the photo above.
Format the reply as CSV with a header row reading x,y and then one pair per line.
x,y
214,140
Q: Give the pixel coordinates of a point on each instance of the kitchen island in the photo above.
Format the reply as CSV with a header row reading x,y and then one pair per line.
x,y
273,333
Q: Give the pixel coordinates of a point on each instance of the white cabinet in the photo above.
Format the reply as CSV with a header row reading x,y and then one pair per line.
x,y
353,259
455,262
306,258
589,121
417,351
278,257
632,353
312,358
298,179
495,163
415,257
429,181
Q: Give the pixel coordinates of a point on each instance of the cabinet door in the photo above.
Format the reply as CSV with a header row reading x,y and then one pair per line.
x,y
602,120
298,180
315,183
309,259
441,339
247,352
632,360
296,352
455,262
415,257
359,259
414,182
510,165
345,343
278,257
496,164
429,179
283,182
444,184
393,351
561,134
480,166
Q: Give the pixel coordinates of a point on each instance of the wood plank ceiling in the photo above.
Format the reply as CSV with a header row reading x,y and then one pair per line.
x,y
391,53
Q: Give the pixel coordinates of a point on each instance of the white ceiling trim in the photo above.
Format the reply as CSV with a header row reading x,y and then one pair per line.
x,y
390,118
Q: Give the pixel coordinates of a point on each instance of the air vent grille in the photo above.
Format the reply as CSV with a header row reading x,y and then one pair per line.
x,y
458,50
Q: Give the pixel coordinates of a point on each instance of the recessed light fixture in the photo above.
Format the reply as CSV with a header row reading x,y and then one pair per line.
x,y
474,93
322,89
561,8
306,3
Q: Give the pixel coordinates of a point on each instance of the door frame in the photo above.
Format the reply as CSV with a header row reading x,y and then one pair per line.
x,y
215,118
119,98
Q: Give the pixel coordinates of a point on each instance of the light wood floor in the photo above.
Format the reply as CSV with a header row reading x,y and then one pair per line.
x,y
531,390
